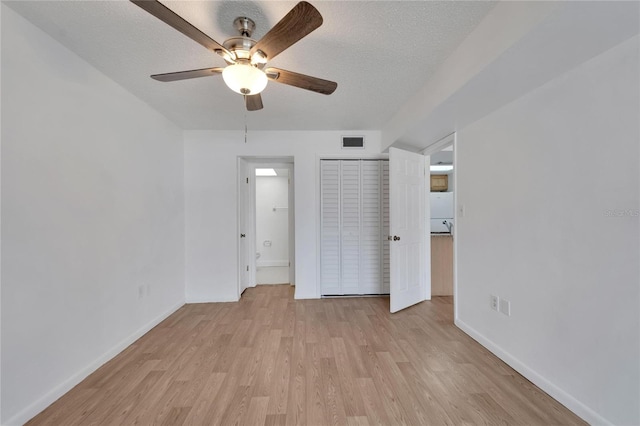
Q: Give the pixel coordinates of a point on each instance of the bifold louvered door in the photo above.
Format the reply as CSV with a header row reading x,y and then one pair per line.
x,y
354,251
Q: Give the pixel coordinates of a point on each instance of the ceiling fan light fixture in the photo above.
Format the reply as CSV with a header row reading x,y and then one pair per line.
x,y
245,79
226,55
258,58
246,58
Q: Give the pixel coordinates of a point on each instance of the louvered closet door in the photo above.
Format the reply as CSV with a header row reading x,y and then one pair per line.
x,y
350,226
371,244
386,266
354,251
330,227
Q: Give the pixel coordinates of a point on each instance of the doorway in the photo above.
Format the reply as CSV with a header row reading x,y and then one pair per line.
x,y
442,217
272,225
266,250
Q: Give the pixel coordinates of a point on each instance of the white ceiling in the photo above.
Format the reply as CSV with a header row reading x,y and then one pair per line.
x,y
379,52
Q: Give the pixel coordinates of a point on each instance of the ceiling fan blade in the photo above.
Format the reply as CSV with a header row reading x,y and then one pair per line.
x,y
296,24
169,17
302,81
253,102
183,75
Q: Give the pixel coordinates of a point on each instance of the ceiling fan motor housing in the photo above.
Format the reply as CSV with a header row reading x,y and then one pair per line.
x,y
240,47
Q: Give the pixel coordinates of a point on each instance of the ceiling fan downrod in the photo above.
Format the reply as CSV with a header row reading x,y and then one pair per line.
x,y
244,25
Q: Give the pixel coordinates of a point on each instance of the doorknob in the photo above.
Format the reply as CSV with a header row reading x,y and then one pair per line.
x,y
242,235
396,238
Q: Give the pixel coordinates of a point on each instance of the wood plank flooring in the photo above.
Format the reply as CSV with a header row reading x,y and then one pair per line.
x,y
273,360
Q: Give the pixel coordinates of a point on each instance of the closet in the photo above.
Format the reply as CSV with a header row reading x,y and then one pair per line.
x,y
354,224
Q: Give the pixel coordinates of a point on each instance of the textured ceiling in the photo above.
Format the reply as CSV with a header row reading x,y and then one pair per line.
x,y
379,52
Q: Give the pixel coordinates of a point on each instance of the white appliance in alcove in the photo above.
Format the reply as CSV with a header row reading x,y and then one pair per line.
x,y
441,212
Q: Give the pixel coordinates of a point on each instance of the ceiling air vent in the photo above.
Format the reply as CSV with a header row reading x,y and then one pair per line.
x,y
353,142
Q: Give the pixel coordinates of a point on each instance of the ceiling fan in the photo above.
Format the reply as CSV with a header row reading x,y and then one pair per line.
x,y
246,59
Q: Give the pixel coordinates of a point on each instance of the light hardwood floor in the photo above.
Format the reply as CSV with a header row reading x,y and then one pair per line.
x,y
272,360
441,265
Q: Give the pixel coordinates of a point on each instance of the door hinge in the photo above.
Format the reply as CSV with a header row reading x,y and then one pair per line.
x,y
247,268
289,264
247,180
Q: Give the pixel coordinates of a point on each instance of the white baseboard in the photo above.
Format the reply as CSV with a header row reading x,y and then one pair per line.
x,y
306,296
271,263
50,397
578,408
191,300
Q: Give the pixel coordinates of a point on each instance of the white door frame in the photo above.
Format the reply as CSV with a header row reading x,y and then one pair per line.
x,y
242,231
247,214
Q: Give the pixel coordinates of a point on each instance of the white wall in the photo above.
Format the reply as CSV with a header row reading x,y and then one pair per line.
x,y
538,231
211,208
1,9
272,225
92,208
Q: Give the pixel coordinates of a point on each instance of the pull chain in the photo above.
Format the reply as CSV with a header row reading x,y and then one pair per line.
x,y
245,127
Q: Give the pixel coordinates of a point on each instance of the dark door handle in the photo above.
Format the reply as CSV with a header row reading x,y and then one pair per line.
x,y
242,235
396,238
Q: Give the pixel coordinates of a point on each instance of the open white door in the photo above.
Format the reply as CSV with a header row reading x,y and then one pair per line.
x,y
410,266
292,229
243,225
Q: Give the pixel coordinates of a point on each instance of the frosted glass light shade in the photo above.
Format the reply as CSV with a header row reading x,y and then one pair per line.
x,y
245,79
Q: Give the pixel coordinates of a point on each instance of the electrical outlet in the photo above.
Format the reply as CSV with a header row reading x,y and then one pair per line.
x,y
140,291
505,307
494,302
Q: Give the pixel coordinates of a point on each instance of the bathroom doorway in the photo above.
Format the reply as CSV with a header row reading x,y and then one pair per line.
x,y
272,224
266,247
